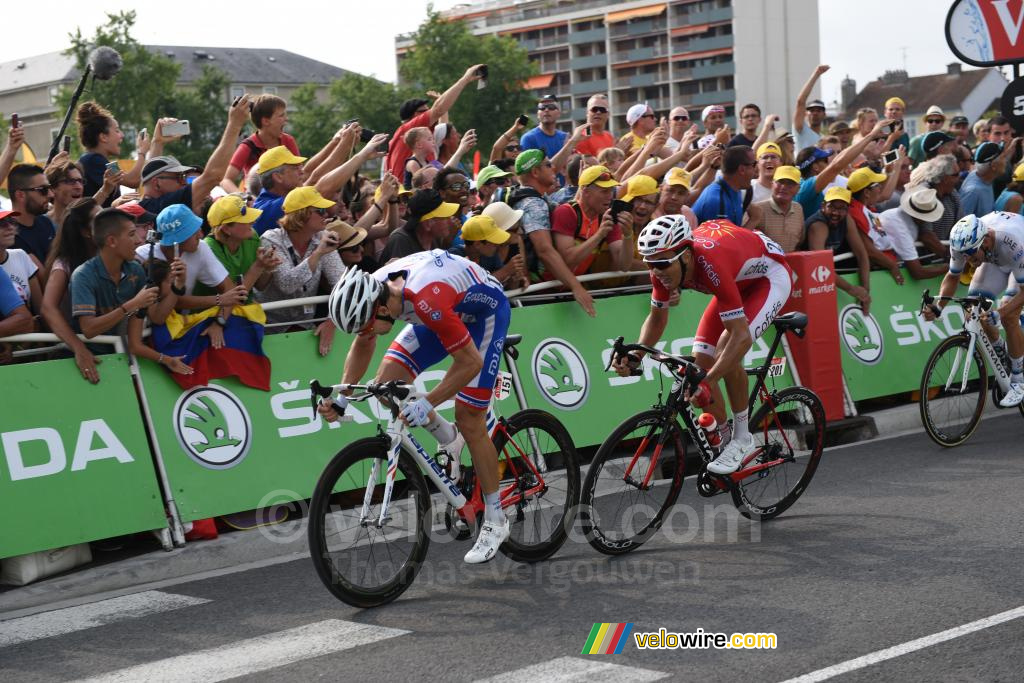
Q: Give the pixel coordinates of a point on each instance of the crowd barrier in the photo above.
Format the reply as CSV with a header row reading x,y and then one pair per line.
x,y
76,465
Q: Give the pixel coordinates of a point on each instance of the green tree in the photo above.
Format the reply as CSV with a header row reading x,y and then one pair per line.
x,y
133,95
445,49
312,122
205,106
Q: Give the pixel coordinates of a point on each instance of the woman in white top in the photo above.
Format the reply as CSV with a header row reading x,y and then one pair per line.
x,y
19,265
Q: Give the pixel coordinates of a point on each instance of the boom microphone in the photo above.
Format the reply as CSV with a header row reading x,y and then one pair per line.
x,y
105,62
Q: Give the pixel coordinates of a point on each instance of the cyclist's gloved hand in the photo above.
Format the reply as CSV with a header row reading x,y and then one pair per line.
x,y
701,396
417,413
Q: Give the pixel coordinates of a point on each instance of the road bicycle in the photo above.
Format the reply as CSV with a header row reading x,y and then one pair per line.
x,y
955,380
625,500
370,517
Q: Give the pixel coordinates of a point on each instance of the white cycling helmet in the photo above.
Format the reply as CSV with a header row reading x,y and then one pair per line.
x,y
353,300
967,234
662,234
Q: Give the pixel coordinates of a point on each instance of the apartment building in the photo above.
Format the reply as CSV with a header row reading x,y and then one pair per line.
x,y
680,52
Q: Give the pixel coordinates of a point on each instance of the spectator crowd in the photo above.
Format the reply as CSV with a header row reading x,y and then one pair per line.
x,y
90,249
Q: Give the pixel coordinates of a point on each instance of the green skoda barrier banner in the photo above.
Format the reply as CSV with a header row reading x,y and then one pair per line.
x,y
228,447
884,352
75,465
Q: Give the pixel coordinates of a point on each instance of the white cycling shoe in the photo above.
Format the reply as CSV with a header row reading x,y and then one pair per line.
x,y
1014,396
732,456
492,535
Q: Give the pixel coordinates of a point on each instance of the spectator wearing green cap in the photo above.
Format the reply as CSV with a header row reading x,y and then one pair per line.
x,y
537,179
489,179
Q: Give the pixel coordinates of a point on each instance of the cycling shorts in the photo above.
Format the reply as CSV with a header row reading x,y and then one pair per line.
x,y
763,298
989,280
417,348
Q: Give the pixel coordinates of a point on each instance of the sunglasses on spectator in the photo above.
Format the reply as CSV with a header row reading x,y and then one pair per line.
x,y
680,118
939,121
647,116
319,211
459,186
512,148
72,181
547,107
598,110
41,189
662,264
500,182
179,177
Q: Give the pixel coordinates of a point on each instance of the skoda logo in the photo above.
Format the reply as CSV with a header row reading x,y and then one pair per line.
x,y
213,427
560,373
861,334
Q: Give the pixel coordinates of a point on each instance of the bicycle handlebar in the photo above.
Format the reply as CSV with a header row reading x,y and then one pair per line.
x,y
692,374
383,390
927,300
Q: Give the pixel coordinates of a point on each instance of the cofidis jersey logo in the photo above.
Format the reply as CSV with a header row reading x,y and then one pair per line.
x,y
213,427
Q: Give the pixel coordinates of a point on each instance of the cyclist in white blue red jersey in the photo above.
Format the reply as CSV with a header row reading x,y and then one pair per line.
x,y
453,307
994,245
747,275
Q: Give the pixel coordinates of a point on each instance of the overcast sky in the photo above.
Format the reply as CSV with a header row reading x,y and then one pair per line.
x,y
862,38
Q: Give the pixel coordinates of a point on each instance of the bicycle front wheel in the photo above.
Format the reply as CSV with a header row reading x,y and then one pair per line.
x,y
541,506
953,389
634,478
362,561
790,431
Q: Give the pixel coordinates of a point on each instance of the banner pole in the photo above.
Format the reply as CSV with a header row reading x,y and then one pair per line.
x,y
177,531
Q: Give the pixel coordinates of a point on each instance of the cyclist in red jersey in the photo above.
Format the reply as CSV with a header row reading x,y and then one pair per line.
x,y
747,275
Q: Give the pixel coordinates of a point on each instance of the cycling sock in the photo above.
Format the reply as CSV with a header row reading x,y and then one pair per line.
x,y
441,429
999,344
739,425
492,507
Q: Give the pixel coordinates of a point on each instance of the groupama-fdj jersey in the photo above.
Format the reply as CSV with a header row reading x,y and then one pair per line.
x,y
1003,268
449,302
743,270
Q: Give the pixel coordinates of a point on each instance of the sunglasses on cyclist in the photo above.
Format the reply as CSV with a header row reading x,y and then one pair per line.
x,y
662,264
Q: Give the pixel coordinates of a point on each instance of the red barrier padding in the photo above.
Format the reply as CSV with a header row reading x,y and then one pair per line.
x,y
817,355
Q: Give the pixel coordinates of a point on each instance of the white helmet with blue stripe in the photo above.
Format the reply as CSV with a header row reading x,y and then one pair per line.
x,y
967,234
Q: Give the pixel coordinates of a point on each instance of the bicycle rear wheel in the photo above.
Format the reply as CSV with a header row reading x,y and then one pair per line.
x,y
789,428
617,510
541,507
950,407
361,562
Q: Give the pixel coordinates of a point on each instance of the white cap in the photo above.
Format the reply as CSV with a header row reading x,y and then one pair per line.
x,y
635,112
711,109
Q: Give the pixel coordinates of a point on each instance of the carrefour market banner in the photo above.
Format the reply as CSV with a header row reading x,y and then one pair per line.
x,y
74,462
228,447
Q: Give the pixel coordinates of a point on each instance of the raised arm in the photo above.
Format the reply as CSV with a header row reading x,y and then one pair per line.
x,y
448,98
766,131
561,159
801,99
217,164
333,181
847,157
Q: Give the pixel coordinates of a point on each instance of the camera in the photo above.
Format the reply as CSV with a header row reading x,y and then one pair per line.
x,y
366,135
153,236
523,119
239,99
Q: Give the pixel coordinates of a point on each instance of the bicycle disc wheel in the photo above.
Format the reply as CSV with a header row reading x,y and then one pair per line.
x,y
791,428
950,408
617,511
362,562
541,520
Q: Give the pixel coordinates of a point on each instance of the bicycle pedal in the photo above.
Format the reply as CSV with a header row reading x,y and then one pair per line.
x,y
706,486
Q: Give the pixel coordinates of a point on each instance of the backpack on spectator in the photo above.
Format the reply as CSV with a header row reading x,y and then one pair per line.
x,y
254,151
512,197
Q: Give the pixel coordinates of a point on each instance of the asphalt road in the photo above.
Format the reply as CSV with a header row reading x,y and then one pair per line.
x,y
895,540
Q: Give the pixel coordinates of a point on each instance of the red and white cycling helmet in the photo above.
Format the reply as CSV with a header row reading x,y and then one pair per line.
x,y
664,233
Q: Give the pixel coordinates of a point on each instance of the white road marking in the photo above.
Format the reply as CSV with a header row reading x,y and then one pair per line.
x,y
573,669
908,647
71,619
256,654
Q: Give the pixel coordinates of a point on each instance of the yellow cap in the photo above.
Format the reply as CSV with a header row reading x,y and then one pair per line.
x,y
1018,173
769,148
598,175
787,173
836,192
304,197
445,210
231,209
483,228
638,186
678,176
275,157
863,177
895,100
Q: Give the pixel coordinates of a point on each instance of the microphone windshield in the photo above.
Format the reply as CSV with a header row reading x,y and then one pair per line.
x,y
105,62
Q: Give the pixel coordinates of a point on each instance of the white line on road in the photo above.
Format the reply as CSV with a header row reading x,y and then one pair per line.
x,y
908,647
256,654
71,619
570,669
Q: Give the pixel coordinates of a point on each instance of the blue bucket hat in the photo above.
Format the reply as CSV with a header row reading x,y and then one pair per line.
x,y
176,224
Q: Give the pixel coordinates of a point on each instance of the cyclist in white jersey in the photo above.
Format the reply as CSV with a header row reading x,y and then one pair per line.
x,y
994,244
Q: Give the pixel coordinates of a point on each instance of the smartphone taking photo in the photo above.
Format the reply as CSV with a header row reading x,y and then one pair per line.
x,y
890,157
482,72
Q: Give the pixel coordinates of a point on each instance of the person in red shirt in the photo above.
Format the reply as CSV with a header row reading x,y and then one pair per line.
x,y
415,113
269,114
746,275
597,118
583,227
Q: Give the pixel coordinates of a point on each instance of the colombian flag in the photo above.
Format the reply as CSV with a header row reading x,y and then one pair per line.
x,y
242,355
607,639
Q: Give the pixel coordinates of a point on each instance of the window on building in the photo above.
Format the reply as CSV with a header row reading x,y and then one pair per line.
x,y
54,93
270,90
237,91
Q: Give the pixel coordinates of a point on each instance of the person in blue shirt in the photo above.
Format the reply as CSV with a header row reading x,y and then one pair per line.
x,y
546,137
14,316
723,199
977,195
